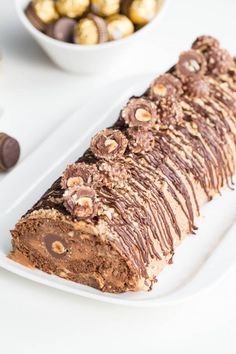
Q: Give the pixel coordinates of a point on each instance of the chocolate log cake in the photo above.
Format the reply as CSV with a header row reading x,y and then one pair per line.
x,y
115,217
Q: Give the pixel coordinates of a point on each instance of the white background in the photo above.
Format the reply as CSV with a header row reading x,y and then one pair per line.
x,y
36,97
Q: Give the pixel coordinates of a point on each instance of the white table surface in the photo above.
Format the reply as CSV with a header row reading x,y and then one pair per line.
x,y
36,97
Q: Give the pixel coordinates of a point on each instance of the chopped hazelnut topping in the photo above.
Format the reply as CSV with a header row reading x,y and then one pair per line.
x,y
160,89
169,111
140,140
85,202
192,65
74,181
111,145
112,174
142,115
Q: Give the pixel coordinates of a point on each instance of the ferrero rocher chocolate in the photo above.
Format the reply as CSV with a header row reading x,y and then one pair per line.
x,y
119,26
33,18
140,11
72,8
90,30
95,21
41,12
105,7
62,29
9,152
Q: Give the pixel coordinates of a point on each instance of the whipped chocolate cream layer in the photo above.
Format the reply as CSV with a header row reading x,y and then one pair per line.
x,y
116,216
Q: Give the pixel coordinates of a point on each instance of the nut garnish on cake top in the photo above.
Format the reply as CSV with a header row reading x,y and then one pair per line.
x,y
219,61
140,112
164,86
109,144
161,108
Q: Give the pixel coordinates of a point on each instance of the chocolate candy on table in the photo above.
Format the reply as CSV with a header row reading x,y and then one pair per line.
x,y
9,152
119,26
105,7
62,29
41,12
140,12
90,30
71,8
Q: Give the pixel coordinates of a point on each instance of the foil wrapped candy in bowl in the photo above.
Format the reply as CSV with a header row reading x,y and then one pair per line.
x,y
90,58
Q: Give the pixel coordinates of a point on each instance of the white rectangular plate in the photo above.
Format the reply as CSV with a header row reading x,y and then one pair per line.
x,y
200,261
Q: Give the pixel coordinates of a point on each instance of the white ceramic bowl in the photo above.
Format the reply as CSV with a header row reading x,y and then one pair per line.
x,y
83,59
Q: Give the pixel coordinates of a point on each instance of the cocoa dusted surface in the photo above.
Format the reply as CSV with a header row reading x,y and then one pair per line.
x,y
117,226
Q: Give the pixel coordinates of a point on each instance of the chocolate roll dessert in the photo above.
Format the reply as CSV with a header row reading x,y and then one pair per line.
x,y
114,218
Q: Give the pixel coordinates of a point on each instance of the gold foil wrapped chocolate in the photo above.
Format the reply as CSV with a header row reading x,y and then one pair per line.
x,y
90,30
72,8
140,11
105,7
41,11
95,21
119,26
